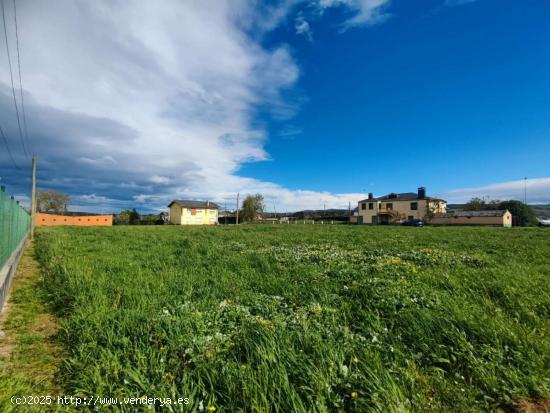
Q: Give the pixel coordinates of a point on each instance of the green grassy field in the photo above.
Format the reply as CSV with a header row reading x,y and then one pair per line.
x,y
304,318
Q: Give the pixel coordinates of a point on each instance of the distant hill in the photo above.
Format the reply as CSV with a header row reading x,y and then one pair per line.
x,y
541,209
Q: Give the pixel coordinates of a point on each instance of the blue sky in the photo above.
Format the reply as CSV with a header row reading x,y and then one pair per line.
x,y
440,96
306,102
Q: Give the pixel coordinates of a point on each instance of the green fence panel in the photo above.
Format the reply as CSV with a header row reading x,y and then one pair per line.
x,y
15,224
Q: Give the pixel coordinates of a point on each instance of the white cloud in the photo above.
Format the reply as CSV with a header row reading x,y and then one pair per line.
x,y
135,102
538,191
162,180
365,12
103,161
93,198
302,27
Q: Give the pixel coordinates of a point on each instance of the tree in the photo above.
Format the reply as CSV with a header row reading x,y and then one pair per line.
x,y
52,201
123,217
134,217
523,215
475,204
253,207
127,217
479,204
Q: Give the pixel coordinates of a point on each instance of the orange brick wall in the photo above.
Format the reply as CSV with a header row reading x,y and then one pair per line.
x,y
41,219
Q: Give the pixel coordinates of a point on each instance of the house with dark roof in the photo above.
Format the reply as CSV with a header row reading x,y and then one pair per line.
x,y
395,208
492,218
188,212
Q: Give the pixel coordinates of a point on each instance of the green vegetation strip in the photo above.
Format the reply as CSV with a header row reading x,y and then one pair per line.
x,y
304,318
29,355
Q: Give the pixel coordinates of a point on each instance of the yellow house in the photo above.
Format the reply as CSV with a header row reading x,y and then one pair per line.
x,y
395,208
183,212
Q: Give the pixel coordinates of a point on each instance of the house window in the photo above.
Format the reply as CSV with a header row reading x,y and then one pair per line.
x,y
380,206
389,206
363,206
371,205
193,211
410,217
414,206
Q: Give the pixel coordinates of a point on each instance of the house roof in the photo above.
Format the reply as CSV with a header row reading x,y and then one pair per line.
x,y
185,203
464,214
403,196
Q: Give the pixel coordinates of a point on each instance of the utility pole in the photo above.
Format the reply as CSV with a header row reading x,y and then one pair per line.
x,y
349,212
525,190
33,195
237,220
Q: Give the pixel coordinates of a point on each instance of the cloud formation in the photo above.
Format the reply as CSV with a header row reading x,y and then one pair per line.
x,y
129,102
302,27
363,12
538,191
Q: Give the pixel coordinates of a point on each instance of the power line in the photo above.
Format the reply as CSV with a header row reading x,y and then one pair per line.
x,y
19,69
8,148
12,86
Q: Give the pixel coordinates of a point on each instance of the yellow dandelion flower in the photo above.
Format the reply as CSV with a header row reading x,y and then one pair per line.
x,y
354,395
211,408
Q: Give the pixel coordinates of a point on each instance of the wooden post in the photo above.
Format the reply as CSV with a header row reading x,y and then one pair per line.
x,y
33,195
237,219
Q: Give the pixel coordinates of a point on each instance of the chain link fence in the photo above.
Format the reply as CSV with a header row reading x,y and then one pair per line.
x,y
15,224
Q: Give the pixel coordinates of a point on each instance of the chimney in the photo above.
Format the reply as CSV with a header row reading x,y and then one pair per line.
x,y
370,195
421,192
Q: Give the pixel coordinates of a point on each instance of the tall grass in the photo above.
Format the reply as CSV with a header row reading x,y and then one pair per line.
x,y
304,318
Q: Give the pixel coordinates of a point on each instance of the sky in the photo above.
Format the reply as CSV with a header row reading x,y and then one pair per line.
x,y
308,102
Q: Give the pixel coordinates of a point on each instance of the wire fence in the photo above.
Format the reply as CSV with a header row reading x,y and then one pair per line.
x,y
15,224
